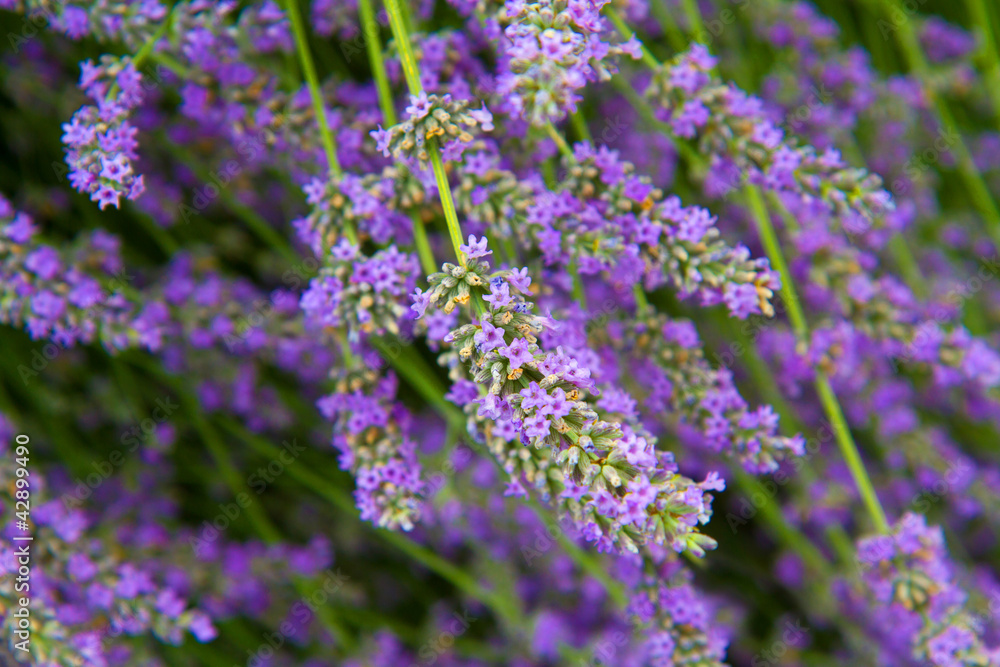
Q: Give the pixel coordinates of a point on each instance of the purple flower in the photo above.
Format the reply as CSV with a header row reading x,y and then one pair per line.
x,y
517,353
475,249
48,305
533,397
556,404
201,627
483,117
499,296
489,337
536,426
519,279
43,262
742,300
419,106
421,300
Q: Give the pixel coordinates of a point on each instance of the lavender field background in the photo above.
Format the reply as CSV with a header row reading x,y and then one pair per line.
x,y
641,333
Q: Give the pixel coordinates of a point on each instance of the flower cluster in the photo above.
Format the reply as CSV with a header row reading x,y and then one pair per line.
x,y
912,579
699,302
74,296
82,593
100,141
370,432
604,217
437,118
682,245
676,381
366,204
681,628
554,48
132,23
733,130
619,490
365,294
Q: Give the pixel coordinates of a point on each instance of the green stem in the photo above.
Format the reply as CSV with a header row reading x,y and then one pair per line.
x,y
312,81
423,246
907,264
374,46
444,192
674,36
828,399
810,554
621,26
402,35
978,190
412,74
578,294
377,64
981,18
172,64
319,109
641,302
160,235
770,240
580,127
558,139
147,48
693,15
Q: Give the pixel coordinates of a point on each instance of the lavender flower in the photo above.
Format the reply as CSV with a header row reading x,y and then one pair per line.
x,y
913,583
617,488
100,142
554,48
434,117
731,127
370,432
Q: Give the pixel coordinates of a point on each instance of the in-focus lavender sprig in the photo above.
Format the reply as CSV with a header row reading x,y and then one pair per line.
x,y
100,141
617,487
438,118
363,294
